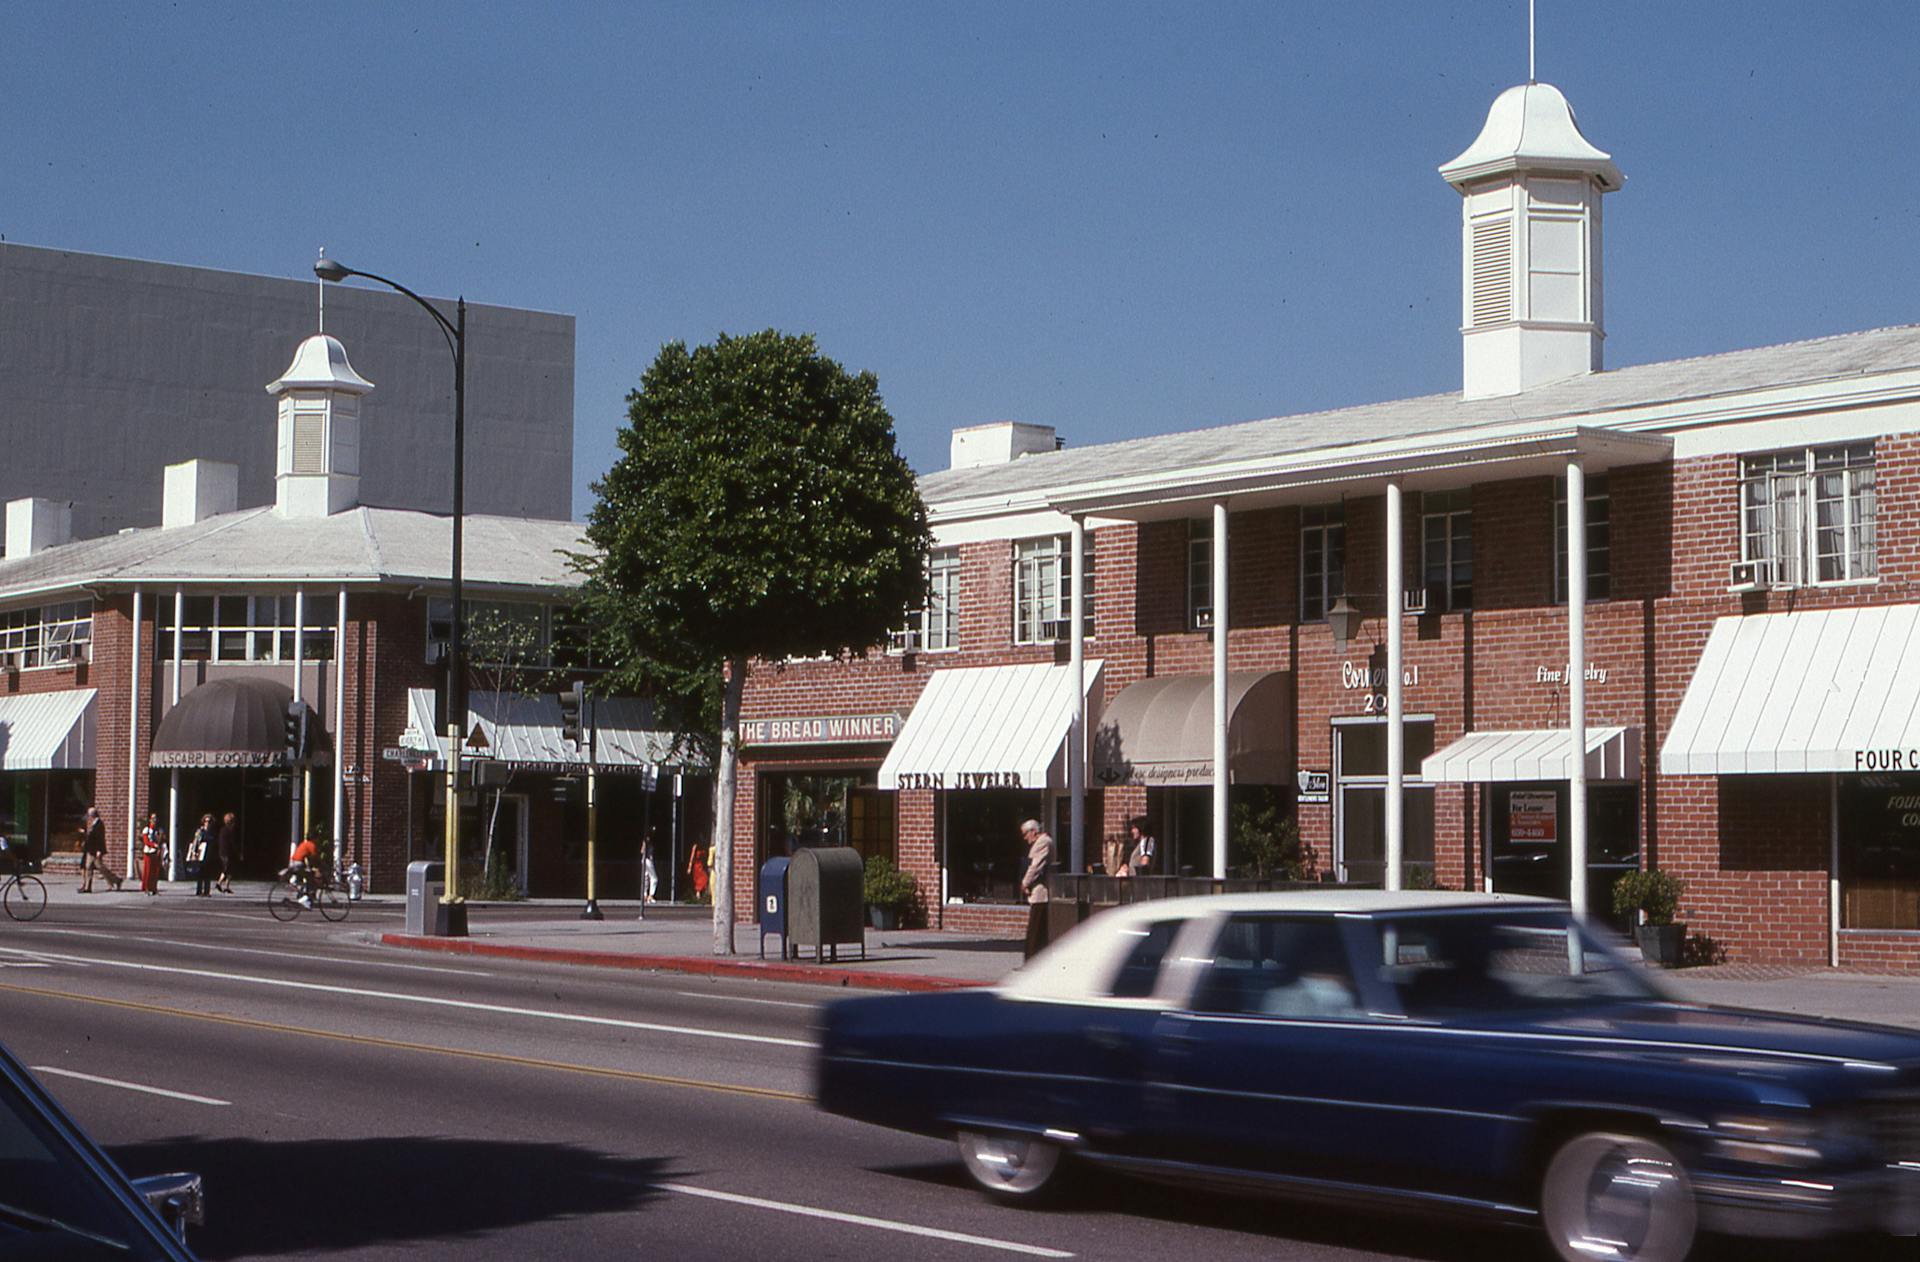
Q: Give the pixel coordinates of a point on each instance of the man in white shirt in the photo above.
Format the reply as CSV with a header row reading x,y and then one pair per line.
x,y
1144,856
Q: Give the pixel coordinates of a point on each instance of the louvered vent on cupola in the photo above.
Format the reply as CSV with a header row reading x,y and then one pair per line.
x,y
1492,272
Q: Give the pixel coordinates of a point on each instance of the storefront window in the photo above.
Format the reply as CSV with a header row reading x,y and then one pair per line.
x,y
1526,833
1880,852
842,808
986,855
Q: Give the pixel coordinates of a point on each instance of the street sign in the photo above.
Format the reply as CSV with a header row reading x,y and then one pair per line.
x,y
477,738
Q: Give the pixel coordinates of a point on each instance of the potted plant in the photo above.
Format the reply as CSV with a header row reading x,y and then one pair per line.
x,y
889,892
1655,896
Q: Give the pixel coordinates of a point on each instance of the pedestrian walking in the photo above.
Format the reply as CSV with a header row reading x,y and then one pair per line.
x,y
1034,884
225,844
93,852
200,857
649,878
153,844
697,871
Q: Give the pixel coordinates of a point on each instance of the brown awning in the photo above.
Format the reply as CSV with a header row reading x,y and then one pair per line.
x,y
240,722
1160,731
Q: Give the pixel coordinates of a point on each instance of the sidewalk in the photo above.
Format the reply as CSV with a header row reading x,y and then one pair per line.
x,y
680,939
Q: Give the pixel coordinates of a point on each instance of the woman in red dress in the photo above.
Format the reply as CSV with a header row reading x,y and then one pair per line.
x,y
697,869
153,843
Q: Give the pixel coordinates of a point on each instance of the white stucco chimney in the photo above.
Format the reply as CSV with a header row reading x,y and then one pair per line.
x,y
35,525
198,489
1530,191
999,442
317,466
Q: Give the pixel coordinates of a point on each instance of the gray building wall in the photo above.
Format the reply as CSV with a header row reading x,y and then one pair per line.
x,y
112,369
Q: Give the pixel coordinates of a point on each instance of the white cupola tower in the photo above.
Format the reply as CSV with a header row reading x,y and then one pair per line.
x,y
1530,242
317,469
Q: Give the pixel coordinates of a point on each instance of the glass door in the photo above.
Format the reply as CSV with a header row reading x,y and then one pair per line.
x,y
1360,796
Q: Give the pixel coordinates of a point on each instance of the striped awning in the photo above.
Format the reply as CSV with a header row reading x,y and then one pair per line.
x,y
988,727
1816,690
1613,753
525,730
48,731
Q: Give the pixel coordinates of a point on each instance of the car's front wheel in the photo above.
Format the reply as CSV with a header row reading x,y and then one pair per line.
x,y
1011,1167
1619,1196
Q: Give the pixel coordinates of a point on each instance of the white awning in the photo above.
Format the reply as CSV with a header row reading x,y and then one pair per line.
x,y
1819,690
525,731
1159,731
48,731
1613,753
988,727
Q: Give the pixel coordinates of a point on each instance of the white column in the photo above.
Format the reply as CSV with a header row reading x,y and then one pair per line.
x,y
174,848
133,742
298,775
1077,669
1833,871
1577,686
1220,623
340,734
1396,697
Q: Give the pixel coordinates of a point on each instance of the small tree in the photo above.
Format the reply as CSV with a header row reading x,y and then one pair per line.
x,y
1263,842
759,511
504,656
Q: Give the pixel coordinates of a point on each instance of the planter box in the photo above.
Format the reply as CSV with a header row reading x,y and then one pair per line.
x,y
1661,944
883,918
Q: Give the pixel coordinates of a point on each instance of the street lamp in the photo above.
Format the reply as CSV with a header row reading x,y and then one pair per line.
x,y
454,914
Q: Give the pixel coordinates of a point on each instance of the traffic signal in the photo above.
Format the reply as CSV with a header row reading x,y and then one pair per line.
x,y
572,704
298,715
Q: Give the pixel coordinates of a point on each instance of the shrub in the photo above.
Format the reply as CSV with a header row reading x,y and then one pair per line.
x,y
1263,843
886,885
1654,892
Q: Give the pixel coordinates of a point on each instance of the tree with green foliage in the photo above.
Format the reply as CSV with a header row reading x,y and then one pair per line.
x,y
759,511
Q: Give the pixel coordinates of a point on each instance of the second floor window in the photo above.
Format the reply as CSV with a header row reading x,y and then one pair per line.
x,y
1599,539
1323,559
246,628
47,635
1042,589
502,633
936,627
1807,515
1446,534
1199,573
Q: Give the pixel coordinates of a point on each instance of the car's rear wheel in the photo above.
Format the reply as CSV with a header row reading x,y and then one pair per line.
x,y
1011,1167
1618,1196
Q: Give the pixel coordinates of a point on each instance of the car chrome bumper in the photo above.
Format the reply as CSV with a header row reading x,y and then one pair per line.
x,y
1882,1200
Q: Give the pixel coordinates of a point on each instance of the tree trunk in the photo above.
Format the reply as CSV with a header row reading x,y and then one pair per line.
x,y
720,856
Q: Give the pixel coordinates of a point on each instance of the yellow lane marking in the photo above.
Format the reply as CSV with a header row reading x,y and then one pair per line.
x,y
368,1040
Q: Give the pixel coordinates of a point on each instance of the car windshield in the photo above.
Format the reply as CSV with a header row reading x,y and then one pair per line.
x,y
1498,962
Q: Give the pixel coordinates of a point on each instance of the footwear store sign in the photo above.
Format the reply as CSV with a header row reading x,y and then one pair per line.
x,y
822,729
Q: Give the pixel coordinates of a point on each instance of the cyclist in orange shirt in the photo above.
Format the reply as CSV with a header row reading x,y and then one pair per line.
x,y
302,866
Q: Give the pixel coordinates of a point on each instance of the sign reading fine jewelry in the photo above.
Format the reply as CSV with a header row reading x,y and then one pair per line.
x,y
826,729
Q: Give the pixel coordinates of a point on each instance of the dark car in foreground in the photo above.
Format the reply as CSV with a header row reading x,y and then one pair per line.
x,y
61,1197
1444,1053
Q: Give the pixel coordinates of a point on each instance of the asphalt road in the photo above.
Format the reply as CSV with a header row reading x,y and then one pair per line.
x,y
356,1101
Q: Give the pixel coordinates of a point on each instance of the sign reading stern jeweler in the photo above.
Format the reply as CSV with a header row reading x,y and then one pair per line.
x,y
824,729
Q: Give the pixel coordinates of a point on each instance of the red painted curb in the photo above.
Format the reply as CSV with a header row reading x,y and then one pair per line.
x,y
703,966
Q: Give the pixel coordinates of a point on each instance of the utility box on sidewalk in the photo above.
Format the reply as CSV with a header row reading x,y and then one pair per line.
x,y
773,904
827,899
426,882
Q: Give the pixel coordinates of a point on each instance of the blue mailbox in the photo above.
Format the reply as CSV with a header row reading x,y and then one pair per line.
x,y
773,903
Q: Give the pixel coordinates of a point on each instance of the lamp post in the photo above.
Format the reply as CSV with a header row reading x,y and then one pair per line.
x,y
455,332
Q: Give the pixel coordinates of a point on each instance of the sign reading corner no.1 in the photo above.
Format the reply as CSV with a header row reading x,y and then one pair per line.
x,y
825,729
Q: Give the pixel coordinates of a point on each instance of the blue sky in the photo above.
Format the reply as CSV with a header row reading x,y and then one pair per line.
x,y
1114,218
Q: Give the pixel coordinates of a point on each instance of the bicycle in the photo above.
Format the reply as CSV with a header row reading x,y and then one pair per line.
x,y
24,895
329,899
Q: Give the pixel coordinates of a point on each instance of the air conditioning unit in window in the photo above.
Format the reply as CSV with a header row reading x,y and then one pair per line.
x,y
1749,576
904,641
1203,619
1428,599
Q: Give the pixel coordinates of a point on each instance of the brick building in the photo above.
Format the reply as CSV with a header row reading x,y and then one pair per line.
x,y
154,670
1717,678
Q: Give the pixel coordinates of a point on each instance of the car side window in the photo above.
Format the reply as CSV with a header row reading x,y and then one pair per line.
x,y
1140,972
1279,966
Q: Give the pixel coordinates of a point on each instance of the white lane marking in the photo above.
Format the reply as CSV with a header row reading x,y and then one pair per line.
x,y
21,964
128,1086
861,1220
433,1001
279,955
776,1003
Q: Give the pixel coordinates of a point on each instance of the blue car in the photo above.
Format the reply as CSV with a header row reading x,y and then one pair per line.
x,y
1437,1052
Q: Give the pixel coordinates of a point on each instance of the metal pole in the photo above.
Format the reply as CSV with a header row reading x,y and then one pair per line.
x,y
1577,686
1396,698
303,808
673,874
1077,671
173,786
340,735
456,649
651,782
133,743
592,910
1220,622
